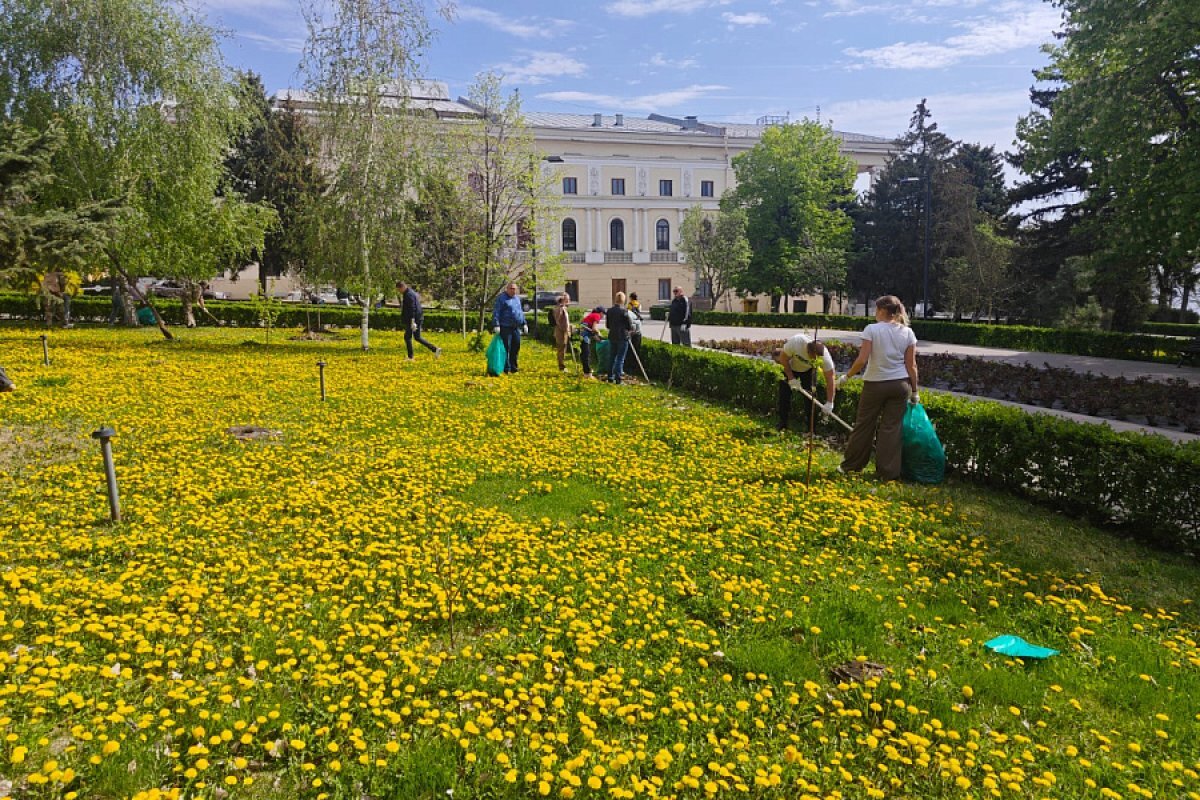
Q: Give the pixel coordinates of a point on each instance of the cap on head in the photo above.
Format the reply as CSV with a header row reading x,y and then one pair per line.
x,y
598,309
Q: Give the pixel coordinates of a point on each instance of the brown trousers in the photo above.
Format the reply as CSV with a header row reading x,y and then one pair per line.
x,y
880,406
561,339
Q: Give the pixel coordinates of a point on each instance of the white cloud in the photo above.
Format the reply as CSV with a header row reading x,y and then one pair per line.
x,y
539,67
526,28
1017,26
660,101
279,44
749,19
659,60
644,8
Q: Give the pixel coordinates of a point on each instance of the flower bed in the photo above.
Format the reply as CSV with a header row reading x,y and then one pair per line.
x,y
1173,403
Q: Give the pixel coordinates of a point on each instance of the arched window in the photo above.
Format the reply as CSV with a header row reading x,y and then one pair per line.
x,y
616,235
662,235
568,235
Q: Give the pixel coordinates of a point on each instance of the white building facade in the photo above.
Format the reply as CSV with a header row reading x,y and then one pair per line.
x,y
624,186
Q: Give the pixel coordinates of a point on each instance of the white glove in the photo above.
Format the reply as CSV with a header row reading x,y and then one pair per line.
x,y
496,329
828,407
915,399
841,379
796,384
412,326
524,329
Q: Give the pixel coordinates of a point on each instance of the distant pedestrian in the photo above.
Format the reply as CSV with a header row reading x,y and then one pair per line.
x,y
589,333
620,326
56,297
562,329
116,313
679,317
508,321
801,357
412,317
889,354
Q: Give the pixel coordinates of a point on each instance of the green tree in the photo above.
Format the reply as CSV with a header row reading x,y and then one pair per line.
x,y
1052,222
148,111
1127,77
443,227
716,247
275,161
794,186
978,281
360,59
36,237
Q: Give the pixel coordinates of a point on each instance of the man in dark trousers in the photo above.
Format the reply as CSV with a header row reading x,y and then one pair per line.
x,y
508,322
680,319
620,326
412,316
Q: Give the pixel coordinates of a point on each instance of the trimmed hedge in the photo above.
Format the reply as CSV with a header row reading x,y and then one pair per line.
x,y
1146,486
242,314
1130,346
1169,328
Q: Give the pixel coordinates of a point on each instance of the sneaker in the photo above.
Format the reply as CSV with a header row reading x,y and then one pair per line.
x,y
437,353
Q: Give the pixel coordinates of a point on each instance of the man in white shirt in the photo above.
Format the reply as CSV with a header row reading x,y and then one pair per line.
x,y
801,357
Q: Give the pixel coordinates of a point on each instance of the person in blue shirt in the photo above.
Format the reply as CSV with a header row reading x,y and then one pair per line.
x,y
412,316
508,321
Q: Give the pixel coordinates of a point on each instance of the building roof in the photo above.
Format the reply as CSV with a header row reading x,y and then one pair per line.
x,y
434,96
658,123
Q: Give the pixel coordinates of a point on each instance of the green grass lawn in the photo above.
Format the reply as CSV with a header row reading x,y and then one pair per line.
x,y
438,584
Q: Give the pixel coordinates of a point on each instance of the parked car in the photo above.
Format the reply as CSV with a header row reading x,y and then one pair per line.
x,y
543,300
170,288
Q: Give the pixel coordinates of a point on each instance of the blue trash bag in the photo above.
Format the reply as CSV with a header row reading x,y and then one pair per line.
x,y
604,356
497,356
922,458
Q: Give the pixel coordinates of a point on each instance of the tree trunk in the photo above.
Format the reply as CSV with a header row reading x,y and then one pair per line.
x,y
141,298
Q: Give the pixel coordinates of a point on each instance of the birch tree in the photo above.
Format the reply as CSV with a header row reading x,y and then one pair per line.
x,y
360,64
509,189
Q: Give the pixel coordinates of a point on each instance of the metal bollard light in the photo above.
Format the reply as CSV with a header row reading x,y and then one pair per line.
x,y
45,350
321,369
104,434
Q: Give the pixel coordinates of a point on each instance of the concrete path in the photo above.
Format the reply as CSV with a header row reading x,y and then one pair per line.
x,y
1111,367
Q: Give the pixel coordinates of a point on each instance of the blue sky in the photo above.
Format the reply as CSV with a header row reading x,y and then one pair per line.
x,y
863,63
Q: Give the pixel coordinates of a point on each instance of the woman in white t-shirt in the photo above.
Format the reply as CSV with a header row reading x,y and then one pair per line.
x,y
889,353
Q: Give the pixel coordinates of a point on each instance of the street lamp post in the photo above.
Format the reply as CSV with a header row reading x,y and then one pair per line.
x,y
928,209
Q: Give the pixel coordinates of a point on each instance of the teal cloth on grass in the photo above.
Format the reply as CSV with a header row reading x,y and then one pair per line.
x,y
1017,647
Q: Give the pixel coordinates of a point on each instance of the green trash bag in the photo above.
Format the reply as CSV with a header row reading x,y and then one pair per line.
x,y
145,316
497,356
604,356
922,458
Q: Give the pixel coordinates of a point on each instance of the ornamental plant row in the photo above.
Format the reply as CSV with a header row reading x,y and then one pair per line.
x,y
1134,347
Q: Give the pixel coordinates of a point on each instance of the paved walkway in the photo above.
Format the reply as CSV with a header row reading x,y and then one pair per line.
x,y
1111,367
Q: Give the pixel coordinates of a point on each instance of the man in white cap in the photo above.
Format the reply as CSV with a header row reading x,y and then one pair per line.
x,y
801,356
